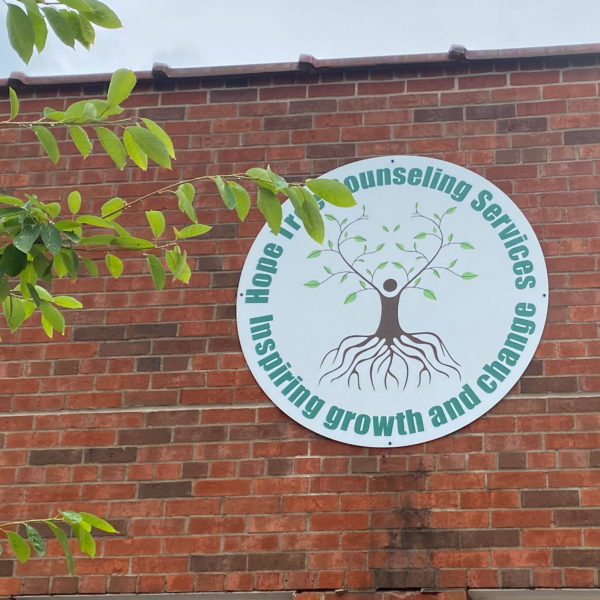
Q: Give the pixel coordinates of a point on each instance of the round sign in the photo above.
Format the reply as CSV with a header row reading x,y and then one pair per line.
x,y
419,312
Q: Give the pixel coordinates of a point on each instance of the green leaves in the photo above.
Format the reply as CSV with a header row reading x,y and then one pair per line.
x,y
19,546
80,524
269,206
429,295
350,298
331,191
14,103
142,144
35,539
121,85
61,536
114,265
159,277
468,275
29,29
48,142
20,32
156,220
467,246
185,197
112,146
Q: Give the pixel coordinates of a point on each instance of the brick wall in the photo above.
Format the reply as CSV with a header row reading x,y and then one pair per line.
x,y
146,413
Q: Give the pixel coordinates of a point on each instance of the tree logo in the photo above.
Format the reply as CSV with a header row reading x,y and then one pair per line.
x,y
418,313
389,354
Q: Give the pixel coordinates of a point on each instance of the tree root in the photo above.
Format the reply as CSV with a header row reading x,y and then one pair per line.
x,y
382,362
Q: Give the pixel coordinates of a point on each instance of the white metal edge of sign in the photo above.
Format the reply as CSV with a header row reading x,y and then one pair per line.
x,y
420,312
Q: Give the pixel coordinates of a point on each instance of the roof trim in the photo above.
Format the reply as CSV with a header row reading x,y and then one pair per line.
x,y
306,62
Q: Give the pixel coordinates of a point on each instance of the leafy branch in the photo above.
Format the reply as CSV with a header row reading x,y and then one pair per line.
x,y
142,138
338,248
71,21
414,275
80,525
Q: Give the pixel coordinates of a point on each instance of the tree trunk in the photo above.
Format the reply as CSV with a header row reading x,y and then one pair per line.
x,y
389,324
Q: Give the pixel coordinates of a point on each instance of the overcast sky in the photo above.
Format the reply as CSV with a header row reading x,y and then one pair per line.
x,y
196,33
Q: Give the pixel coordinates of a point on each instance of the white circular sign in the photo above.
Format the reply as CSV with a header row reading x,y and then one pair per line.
x,y
418,314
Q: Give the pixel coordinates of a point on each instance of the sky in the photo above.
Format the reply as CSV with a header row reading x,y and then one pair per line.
x,y
200,33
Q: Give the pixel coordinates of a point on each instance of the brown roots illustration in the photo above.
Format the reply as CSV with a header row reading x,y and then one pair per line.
x,y
390,354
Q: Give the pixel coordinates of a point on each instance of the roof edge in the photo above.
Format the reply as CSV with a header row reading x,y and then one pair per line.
x,y
307,62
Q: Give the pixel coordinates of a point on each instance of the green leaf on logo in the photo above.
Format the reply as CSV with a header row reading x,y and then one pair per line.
x,y
312,283
450,210
467,246
420,236
385,228
314,254
379,247
350,298
452,263
329,217
429,295
381,265
400,246
359,238
468,275
436,273
398,265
